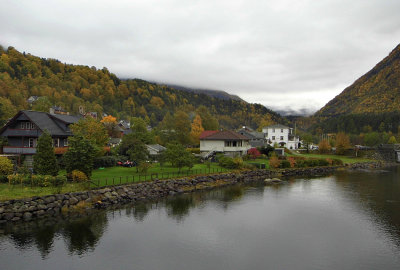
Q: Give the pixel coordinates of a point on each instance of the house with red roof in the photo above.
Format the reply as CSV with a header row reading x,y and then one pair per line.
x,y
228,142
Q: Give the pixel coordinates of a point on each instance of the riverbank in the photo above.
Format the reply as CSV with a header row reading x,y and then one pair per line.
x,y
75,202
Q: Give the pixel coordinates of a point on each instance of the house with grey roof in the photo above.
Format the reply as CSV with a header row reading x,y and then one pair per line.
x,y
256,139
281,135
155,149
227,142
24,129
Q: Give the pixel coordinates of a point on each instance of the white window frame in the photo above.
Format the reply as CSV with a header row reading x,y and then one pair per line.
x,y
66,142
22,125
32,142
273,138
281,138
56,142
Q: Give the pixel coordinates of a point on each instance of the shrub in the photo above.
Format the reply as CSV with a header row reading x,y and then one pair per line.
x,y
15,179
284,164
42,180
144,167
78,176
300,164
238,161
329,161
292,162
254,153
230,163
337,162
274,162
323,162
59,181
105,161
193,150
6,166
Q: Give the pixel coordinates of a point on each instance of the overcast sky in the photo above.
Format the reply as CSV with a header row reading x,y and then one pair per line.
x,y
283,54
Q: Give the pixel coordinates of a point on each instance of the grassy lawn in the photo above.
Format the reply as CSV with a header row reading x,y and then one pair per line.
x,y
12,192
259,161
345,159
108,176
121,175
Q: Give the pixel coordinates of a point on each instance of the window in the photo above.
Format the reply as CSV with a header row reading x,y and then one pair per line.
x,y
228,143
33,126
56,142
281,138
234,143
65,142
273,138
32,142
273,130
281,130
22,125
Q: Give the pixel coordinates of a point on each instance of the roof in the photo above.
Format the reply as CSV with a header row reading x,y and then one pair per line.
x,y
277,126
69,119
225,135
207,133
56,126
156,147
252,135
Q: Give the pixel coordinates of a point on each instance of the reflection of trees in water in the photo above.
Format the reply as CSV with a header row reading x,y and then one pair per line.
x,y
377,192
139,211
41,237
82,235
178,207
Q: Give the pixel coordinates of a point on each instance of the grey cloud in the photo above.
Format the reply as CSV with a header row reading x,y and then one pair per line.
x,y
278,53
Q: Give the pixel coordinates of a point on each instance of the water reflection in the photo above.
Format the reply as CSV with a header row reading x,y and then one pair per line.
x,y
297,209
378,193
80,234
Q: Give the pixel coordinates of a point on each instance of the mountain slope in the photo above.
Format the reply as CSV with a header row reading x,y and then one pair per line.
x,y
212,93
71,86
377,91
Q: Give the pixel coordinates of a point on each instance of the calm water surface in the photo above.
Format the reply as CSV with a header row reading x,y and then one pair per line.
x,y
350,220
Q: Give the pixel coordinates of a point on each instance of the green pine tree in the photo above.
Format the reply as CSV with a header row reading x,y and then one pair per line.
x,y
80,155
45,161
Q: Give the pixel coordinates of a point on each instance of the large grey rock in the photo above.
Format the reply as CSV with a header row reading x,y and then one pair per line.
x,y
49,199
73,201
27,216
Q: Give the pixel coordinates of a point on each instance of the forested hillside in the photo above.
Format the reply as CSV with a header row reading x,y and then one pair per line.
x,y
70,86
377,91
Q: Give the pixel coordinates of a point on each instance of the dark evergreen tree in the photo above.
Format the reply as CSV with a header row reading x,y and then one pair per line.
x,y
45,161
80,155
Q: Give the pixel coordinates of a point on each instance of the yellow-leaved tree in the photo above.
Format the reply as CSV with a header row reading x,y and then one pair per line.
x,y
196,130
111,125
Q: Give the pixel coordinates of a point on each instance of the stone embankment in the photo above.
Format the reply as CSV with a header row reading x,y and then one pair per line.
x,y
61,204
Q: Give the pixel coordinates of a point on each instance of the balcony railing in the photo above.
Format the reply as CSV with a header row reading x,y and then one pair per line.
x,y
19,150
21,132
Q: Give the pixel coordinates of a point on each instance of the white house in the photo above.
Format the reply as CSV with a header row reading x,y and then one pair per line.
x,y
282,135
228,142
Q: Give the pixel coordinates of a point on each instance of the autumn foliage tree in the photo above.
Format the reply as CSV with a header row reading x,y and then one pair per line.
x,y
254,153
196,130
111,125
92,130
342,143
324,147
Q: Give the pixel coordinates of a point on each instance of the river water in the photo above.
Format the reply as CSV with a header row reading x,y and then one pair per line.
x,y
350,220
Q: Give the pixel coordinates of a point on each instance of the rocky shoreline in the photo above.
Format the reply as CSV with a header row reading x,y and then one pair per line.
x,y
71,203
